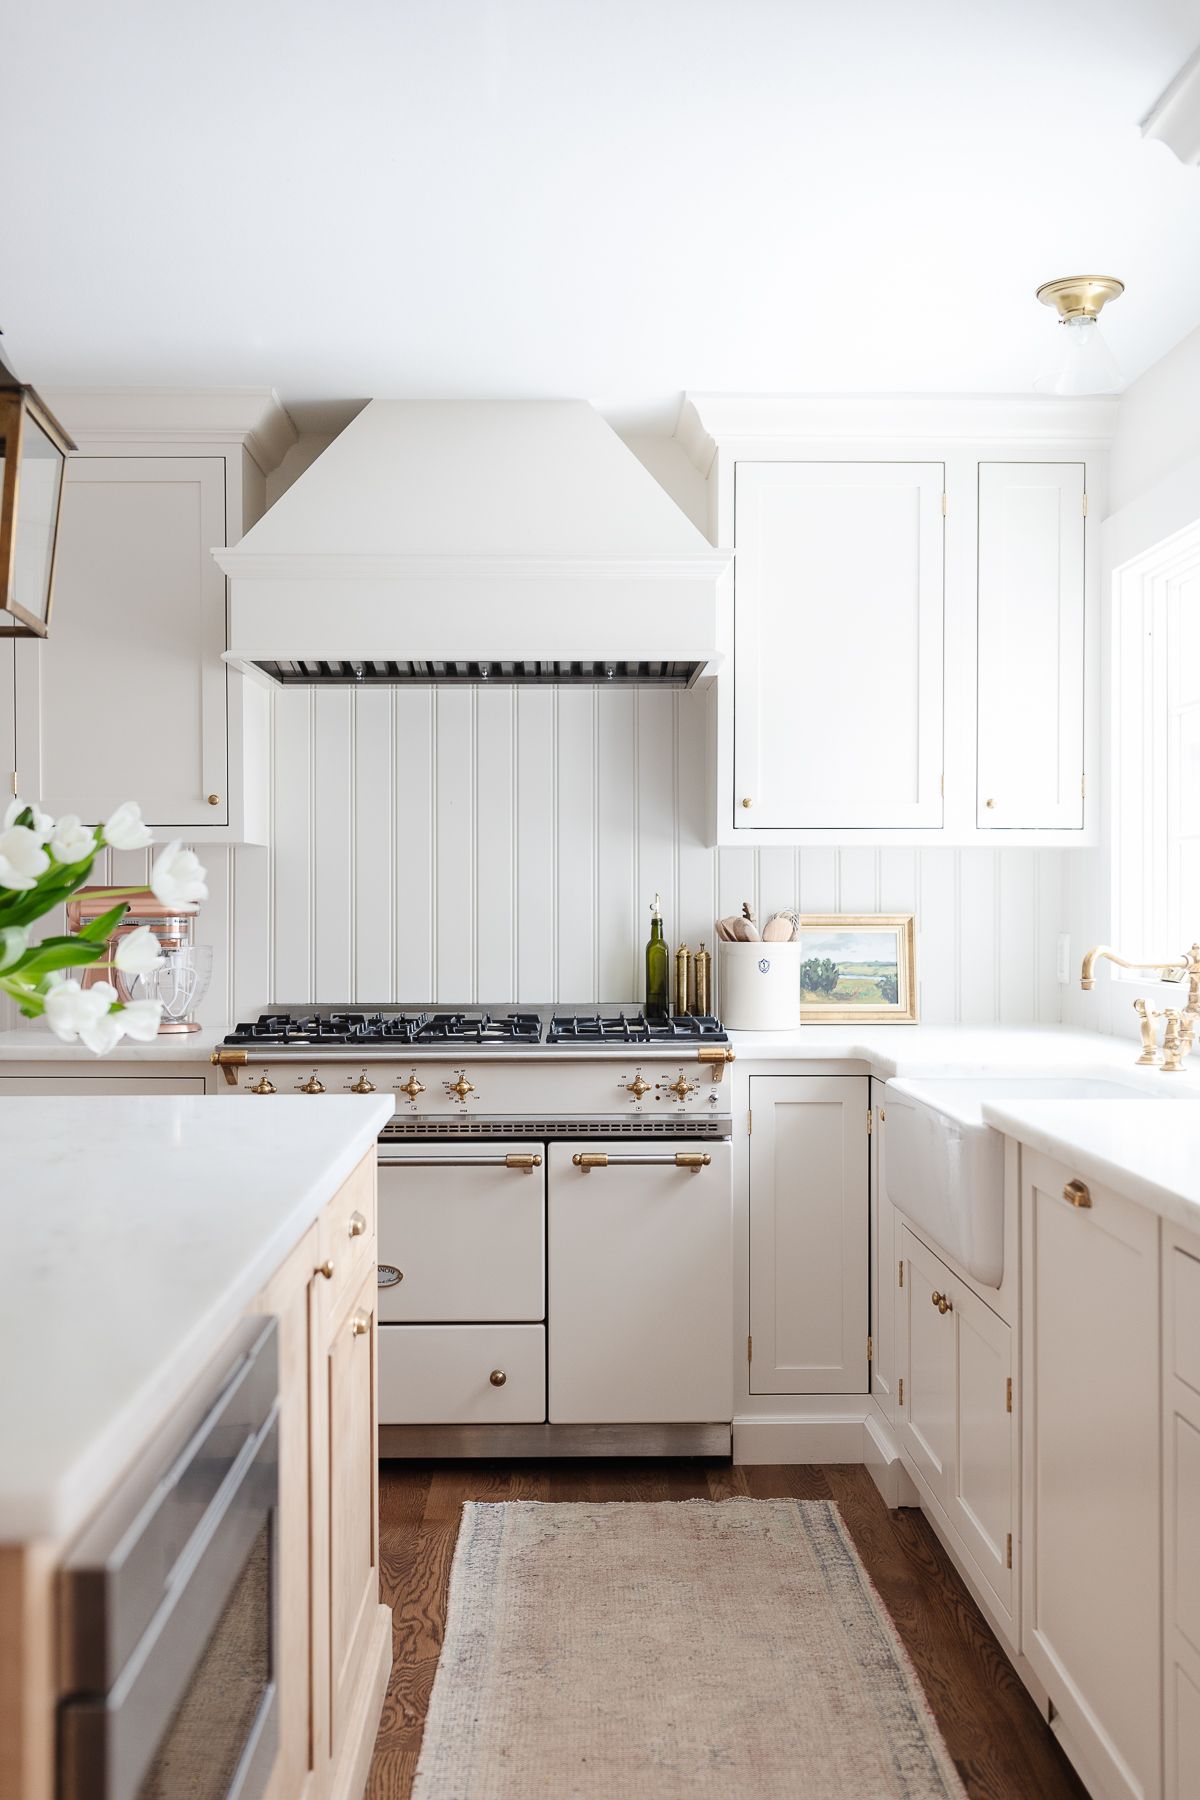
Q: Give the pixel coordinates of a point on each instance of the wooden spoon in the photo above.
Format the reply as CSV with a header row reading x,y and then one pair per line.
x,y
778,930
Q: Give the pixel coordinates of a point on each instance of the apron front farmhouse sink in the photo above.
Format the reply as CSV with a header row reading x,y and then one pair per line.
x,y
943,1166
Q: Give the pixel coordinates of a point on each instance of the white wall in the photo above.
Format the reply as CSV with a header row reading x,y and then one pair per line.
x,y
1154,491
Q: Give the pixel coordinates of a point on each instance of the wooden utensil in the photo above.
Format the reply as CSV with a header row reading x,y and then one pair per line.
x,y
778,930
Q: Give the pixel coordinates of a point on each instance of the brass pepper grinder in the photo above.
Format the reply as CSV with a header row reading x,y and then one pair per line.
x,y
702,971
683,969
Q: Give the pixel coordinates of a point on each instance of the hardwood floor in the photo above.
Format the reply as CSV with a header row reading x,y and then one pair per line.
x,y
1003,1748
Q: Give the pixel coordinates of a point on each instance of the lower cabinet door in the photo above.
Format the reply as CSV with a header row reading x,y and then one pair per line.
x,y
640,1284
462,1374
1091,1476
981,1500
927,1364
348,1353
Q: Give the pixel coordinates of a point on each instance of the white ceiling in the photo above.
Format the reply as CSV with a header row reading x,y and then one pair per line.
x,y
562,197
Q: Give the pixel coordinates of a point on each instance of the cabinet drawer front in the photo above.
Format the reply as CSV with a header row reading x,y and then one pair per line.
x,y
347,1237
442,1374
468,1239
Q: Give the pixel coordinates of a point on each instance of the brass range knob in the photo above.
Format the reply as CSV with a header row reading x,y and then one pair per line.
x,y
462,1087
314,1084
412,1087
681,1087
497,1378
943,1302
364,1085
264,1085
637,1087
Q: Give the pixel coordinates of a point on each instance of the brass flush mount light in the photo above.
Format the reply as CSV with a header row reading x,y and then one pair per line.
x,y
1081,362
33,454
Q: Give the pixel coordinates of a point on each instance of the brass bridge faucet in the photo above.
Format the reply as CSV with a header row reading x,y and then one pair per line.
x,y
1181,1023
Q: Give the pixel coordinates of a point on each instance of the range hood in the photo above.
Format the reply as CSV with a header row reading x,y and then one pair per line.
x,y
474,541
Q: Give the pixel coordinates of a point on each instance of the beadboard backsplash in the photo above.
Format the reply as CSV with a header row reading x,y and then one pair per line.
x,y
495,845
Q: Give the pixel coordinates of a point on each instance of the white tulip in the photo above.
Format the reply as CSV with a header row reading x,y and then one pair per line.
x,y
138,952
102,1033
70,1007
126,830
22,859
140,1020
14,942
43,824
177,878
71,841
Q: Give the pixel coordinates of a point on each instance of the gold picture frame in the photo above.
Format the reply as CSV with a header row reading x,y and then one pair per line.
x,y
845,988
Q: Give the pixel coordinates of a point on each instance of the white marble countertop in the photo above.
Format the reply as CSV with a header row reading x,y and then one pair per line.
x,y
37,1043
1143,1149
134,1238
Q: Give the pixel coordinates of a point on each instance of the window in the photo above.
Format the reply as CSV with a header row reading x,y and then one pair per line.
x,y
1156,749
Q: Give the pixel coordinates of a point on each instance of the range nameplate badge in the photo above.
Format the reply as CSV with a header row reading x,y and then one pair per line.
x,y
389,1275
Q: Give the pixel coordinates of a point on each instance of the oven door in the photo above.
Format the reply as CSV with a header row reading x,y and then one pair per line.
x,y
640,1291
169,1609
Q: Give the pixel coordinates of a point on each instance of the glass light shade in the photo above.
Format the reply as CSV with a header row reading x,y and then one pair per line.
x,y
1079,361
33,454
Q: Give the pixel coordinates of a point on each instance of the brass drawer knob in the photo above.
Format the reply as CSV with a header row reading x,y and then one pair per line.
x,y
357,1224
214,799
1077,1193
747,802
325,1269
497,1378
990,804
943,1302
360,1324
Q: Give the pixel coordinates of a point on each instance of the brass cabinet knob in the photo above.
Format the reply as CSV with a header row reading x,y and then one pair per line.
x,y
989,804
1077,1193
325,1269
412,1087
497,1378
314,1084
747,802
943,1302
360,1324
214,799
364,1084
637,1087
264,1085
462,1087
357,1224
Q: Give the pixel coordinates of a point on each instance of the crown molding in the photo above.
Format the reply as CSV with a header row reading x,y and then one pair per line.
x,y
1174,119
146,419
352,565
708,422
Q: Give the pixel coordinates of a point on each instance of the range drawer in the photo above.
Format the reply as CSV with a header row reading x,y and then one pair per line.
x,y
462,1233
462,1374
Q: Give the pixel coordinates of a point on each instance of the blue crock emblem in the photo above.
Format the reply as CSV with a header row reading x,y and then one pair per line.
x,y
763,965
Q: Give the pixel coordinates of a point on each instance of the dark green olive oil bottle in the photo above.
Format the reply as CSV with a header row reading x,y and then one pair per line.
x,y
657,985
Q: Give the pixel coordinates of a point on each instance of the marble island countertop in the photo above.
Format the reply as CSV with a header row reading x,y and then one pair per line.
x,y
135,1237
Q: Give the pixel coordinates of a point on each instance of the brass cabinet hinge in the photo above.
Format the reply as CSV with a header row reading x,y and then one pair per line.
x,y
1083,787
901,1268
749,1123
749,1349
1085,503
14,783
900,1391
1008,1551
1008,1395
870,1121
945,504
870,1349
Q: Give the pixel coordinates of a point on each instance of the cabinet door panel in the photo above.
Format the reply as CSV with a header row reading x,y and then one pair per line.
x,y
884,1289
349,1357
1091,1615
927,1417
838,645
808,1234
470,1250
1031,645
981,1495
137,637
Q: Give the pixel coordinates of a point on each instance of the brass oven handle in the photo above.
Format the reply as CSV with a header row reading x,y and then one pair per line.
x,y
229,1062
695,1160
525,1160
1077,1193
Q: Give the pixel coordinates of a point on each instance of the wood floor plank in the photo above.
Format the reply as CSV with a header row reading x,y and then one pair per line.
x,y
1003,1748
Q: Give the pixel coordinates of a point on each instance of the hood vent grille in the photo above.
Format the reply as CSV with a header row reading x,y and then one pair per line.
x,y
481,674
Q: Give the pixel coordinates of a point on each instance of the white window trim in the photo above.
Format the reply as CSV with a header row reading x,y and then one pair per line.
x,y
1141,784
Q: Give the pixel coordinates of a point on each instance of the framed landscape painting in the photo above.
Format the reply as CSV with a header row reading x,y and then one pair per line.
x,y
858,967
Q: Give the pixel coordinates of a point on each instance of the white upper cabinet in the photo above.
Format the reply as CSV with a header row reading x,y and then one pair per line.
x,y
129,696
838,645
909,655
1031,645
